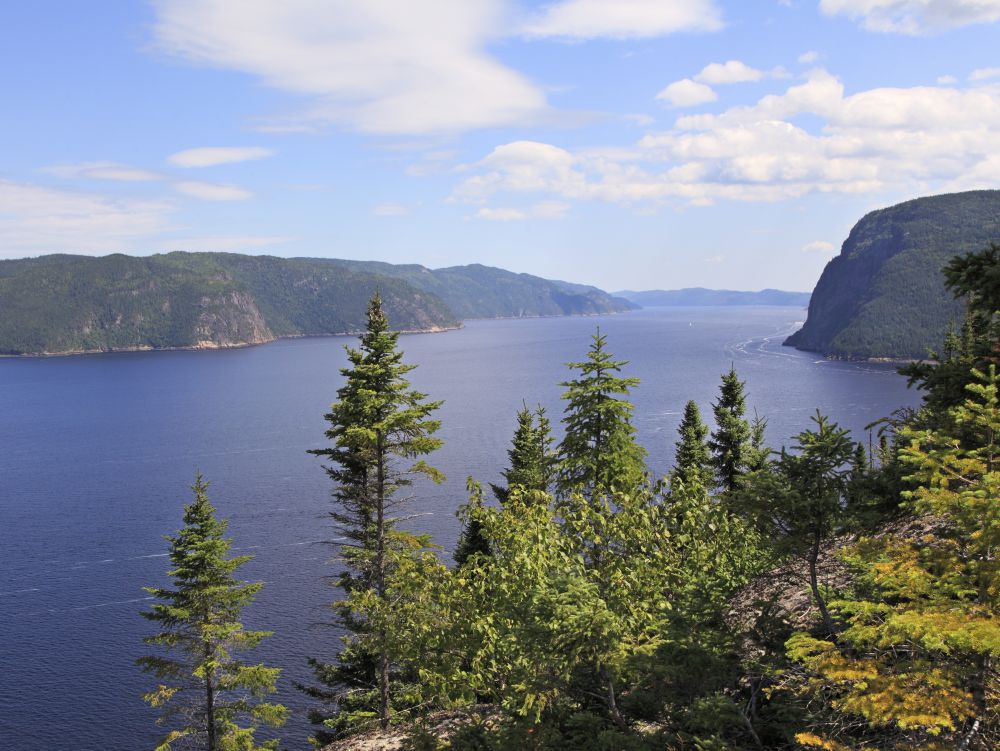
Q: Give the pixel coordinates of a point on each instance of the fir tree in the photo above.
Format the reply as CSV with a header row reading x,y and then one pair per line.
x,y
211,691
917,661
731,443
692,461
531,468
531,461
380,429
599,453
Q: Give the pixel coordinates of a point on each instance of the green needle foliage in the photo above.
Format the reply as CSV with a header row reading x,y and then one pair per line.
x,y
801,501
692,460
531,461
209,693
732,442
380,428
531,466
599,453
917,661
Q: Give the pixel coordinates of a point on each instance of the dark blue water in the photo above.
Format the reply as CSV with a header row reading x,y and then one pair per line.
x,y
97,453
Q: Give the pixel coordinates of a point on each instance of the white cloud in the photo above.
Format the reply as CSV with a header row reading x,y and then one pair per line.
x,y
623,19
809,57
914,16
103,171
210,156
381,66
880,141
732,71
35,219
687,93
541,210
390,209
819,246
212,191
984,74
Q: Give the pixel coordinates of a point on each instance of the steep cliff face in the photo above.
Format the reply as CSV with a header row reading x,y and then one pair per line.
x,y
230,320
884,295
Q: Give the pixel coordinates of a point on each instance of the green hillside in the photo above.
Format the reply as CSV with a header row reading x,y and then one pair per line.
x,y
477,291
64,304
884,295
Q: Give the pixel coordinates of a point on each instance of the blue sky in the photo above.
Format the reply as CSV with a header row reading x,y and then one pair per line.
x,y
625,143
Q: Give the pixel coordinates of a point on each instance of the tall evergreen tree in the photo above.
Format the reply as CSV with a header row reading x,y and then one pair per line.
x,y
731,442
599,452
380,428
531,467
692,460
211,691
531,461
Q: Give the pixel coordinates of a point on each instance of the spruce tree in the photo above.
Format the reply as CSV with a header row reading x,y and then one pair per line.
x,y
692,460
380,428
531,467
531,461
731,442
208,690
599,453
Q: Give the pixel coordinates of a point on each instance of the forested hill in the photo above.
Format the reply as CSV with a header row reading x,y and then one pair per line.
x,y
62,304
698,296
477,291
884,295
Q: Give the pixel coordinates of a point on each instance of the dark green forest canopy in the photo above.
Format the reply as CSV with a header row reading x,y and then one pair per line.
x,y
884,295
65,303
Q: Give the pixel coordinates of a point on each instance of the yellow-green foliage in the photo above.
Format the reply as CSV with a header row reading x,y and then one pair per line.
x,y
916,657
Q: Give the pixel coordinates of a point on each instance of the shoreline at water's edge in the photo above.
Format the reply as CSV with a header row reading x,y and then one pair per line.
x,y
204,346
872,360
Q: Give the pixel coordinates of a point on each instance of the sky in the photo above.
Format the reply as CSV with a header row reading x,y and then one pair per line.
x,y
631,144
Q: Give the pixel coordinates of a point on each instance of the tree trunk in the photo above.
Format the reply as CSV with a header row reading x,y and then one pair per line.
x,y
613,710
210,707
380,583
814,584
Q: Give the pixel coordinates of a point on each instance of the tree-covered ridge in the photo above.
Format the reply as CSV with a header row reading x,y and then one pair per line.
x,y
64,303
884,295
477,291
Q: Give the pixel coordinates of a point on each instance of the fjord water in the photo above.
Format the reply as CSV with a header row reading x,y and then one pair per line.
x,y
97,453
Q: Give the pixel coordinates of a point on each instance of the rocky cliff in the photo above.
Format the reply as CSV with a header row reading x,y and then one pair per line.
x,y
884,295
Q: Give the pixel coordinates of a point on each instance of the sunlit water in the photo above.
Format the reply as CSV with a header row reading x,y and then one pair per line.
x,y
97,453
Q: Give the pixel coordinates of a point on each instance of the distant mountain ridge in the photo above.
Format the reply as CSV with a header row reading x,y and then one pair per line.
x,y
63,304
700,296
884,295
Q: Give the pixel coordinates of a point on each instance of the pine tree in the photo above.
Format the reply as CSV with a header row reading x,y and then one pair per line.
x,y
917,661
211,690
599,453
731,443
380,428
692,461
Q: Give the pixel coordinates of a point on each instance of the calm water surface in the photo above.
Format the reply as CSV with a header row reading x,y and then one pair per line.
x,y
97,453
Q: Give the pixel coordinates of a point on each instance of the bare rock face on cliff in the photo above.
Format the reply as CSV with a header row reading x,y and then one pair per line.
x,y
884,295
